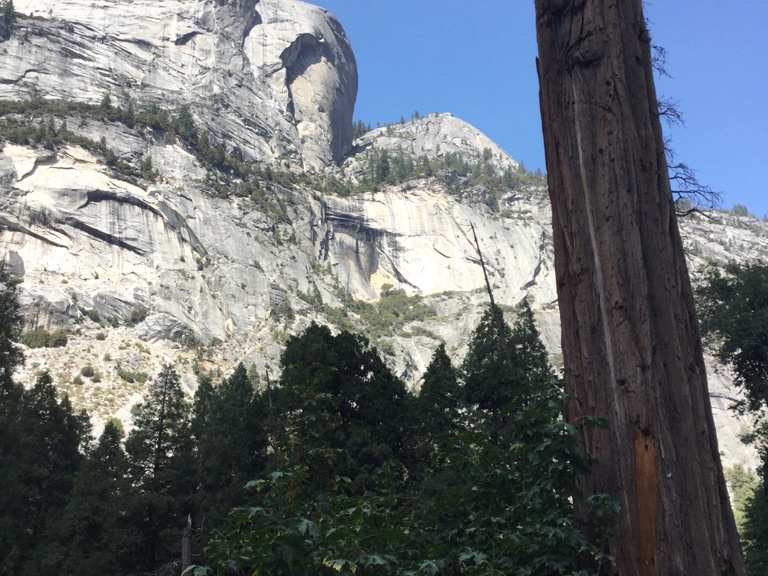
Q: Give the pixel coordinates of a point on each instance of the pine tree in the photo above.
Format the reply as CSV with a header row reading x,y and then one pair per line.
x,y
106,102
185,126
530,353
201,409
92,537
440,397
11,319
339,398
52,439
231,441
162,466
11,511
492,375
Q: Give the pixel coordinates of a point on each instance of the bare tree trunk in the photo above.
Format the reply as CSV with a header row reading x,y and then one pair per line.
x,y
630,340
186,545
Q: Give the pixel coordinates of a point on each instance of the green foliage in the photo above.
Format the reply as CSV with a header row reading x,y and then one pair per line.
x,y
40,338
93,535
131,376
453,171
337,398
138,315
441,397
754,528
11,318
346,496
733,308
161,458
232,411
387,317
506,368
743,484
47,438
148,171
359,128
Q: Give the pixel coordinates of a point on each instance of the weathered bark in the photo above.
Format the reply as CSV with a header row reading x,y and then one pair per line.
x,y
632,350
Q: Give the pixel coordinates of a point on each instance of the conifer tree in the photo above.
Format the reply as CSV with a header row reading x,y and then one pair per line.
x,y
339,398
11,318
92,537
11,511
231,441
162,466
441,396
51,441
201,408
491,370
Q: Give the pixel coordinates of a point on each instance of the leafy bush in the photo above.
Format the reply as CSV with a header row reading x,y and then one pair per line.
x,y
138,315
40,338
387,317
131,376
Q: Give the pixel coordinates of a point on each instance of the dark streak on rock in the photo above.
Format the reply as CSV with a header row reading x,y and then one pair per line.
x,y
185,38
95,196
9,226
20,78
101,235
532,282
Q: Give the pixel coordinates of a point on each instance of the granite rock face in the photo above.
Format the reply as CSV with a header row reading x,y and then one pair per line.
x,y
433,136
275,79
141,272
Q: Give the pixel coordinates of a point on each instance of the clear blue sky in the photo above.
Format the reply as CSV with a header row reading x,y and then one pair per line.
x,y
477,60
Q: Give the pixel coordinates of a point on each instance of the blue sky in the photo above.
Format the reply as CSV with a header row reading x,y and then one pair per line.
x,y
477,60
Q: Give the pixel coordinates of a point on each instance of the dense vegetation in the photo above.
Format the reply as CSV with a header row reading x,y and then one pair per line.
x,y
733,305
334,469
41,122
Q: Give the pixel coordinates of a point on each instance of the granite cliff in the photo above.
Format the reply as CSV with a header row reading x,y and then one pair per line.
x,y
141,249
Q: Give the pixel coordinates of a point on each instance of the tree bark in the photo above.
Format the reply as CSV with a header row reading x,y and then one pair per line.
x,y
630,339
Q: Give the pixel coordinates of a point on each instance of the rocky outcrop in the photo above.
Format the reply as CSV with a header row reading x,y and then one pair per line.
x,y
180,269
276,80
434,136
142,273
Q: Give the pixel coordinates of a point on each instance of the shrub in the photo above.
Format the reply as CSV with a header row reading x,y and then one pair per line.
x,y
138,315
40,338
740,210
131,376
87,371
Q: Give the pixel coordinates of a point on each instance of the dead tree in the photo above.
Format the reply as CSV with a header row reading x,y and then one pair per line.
x,y
482,265
631,345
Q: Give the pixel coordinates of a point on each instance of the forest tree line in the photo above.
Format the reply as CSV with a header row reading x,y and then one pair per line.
x,y
335,468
